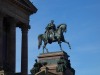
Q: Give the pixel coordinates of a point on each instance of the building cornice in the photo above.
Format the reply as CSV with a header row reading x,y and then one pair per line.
x,y
31,8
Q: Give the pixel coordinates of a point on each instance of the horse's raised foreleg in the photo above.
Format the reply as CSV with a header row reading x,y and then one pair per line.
x,y
68,44
60,46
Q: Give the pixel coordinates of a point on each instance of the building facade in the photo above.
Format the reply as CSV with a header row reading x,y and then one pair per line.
x,y
14,13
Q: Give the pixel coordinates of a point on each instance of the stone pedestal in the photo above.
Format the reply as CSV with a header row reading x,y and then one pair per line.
x,y
52,58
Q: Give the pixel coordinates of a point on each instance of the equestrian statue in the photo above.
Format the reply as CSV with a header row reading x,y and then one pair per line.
x,y
53,34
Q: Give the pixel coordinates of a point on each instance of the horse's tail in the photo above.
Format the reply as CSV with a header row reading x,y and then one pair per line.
x,y
39,41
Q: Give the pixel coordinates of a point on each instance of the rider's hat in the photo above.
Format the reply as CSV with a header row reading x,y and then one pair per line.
x,y
52,20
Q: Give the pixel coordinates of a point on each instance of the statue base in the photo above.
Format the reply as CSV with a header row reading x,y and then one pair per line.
x,y
52,59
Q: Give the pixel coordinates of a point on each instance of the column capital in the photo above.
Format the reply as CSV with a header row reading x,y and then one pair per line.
x,y
25,28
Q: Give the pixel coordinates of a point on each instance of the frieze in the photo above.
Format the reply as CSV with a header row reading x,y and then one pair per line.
x,y
50,61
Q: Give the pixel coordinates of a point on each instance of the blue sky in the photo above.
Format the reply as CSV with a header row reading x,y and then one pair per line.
x,y
83,20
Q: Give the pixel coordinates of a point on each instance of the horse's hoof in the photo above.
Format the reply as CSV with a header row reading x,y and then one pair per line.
x,y
61,50
47,51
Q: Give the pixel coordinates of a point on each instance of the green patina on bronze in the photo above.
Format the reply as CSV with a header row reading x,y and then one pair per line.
x,y
53,34
62,65
36,68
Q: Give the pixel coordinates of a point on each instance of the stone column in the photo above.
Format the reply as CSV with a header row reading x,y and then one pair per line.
x,y
24,52
1,40
11,44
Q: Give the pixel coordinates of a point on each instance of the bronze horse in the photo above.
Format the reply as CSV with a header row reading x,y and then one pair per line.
x,y
59,37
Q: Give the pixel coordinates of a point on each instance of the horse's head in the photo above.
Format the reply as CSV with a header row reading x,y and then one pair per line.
x,y
63,27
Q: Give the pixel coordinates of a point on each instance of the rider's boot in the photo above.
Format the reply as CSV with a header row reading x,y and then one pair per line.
x,y
53,38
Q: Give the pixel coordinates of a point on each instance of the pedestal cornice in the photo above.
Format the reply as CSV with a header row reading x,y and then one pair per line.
x,y
51,54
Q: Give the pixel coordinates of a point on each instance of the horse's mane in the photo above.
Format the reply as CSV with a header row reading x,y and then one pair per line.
x,y
60,25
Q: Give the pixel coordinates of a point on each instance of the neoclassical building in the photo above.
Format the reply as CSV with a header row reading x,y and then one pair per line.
x,y
14,13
